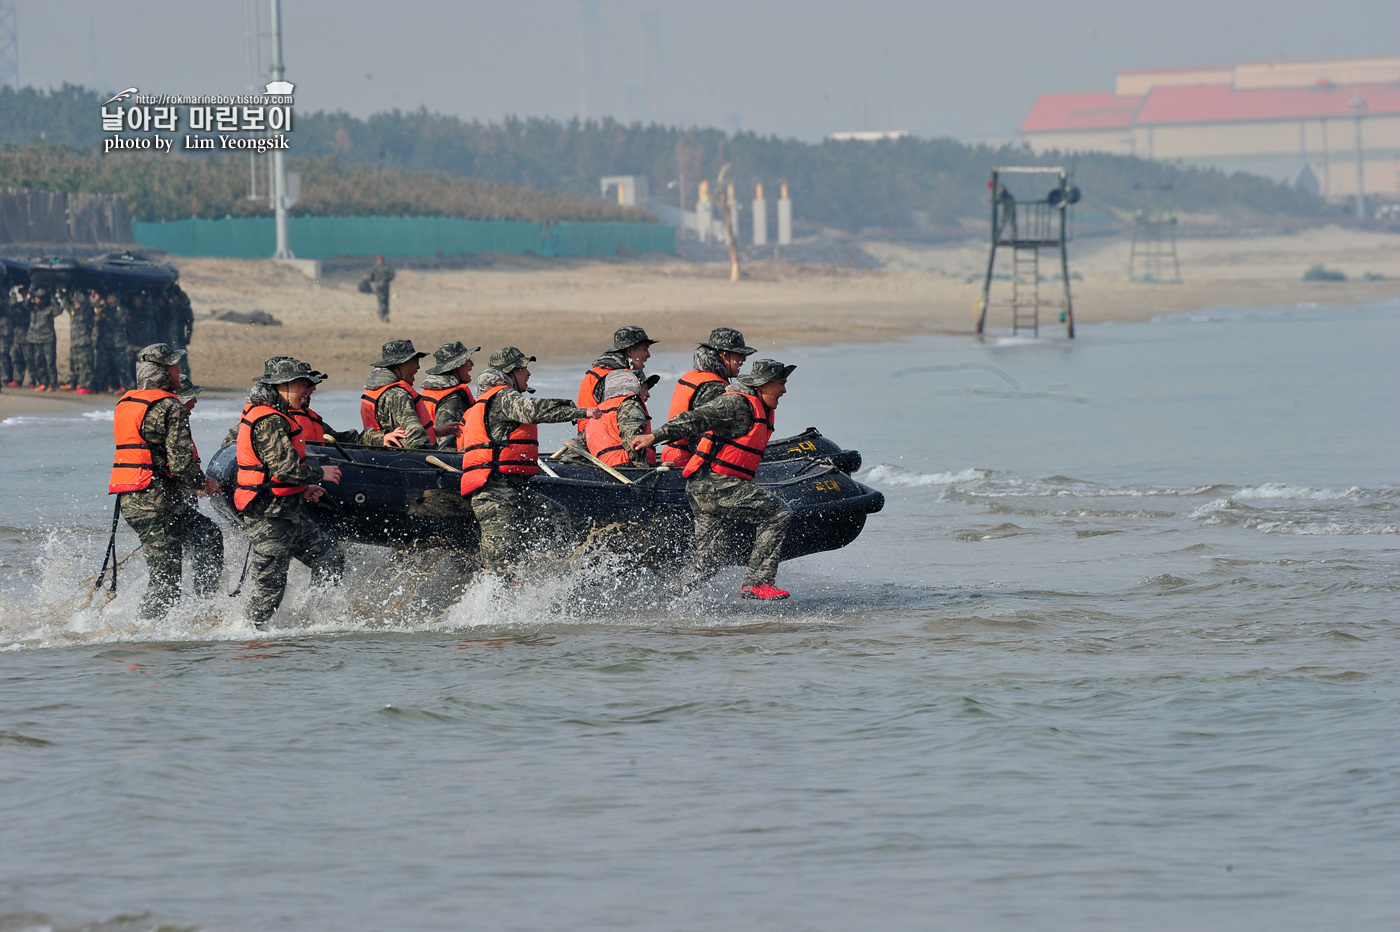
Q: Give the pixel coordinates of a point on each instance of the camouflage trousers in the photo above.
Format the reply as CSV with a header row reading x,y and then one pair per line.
x,y
514,518
42,360
276,539
6,338
19,360
718,502
168,530
80,364
383,299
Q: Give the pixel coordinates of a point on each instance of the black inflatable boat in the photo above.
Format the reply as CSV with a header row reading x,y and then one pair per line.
x,y
118,271
396,498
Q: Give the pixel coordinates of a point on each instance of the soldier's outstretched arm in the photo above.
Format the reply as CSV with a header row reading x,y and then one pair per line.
x,y
514,406
174,429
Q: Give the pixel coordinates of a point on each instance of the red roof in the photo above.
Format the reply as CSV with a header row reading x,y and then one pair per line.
x,y
1053,112
1220,103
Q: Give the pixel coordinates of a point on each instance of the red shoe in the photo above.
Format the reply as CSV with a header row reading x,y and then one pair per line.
x,y
12,384
83,391
41,388
66,388
764,592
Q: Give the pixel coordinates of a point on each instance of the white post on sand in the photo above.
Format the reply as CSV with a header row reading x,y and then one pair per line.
x,y
784,218
760,218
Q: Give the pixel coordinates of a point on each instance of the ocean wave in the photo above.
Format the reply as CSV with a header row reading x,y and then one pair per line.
x,y
1280,491
897,475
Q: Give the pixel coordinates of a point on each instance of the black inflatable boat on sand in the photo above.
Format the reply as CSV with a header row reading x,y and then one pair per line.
x,y
397,498
121,271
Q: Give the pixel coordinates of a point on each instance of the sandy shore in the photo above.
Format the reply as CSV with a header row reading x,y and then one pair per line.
x,y
565,311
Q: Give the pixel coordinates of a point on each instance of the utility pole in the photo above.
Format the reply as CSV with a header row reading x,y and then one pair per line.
x,y
279,163
1357,106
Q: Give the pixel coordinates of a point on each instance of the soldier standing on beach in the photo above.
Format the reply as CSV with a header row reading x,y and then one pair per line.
x,y
500,452
109,343
156,473
730,435
80,341
379,276
43,341
6,330
274,484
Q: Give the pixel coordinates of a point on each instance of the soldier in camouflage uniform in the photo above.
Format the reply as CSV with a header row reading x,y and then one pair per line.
x,y
379,276
19,336
6,332
164,514
510,513
633,419
452,369
719,500
44,306
395,408
109,343
139,329
80,341
278,526
181,321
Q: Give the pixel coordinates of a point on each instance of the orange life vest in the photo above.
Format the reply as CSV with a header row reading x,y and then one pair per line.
x,y
430,398
369,408
313,429
482,457
588,388
678,452
604,438
252,474
133,468
739,457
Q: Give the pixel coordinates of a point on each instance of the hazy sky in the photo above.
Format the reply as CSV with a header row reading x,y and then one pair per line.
x,y
966,69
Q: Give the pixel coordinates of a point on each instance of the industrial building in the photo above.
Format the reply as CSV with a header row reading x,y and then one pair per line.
x,y
1297,121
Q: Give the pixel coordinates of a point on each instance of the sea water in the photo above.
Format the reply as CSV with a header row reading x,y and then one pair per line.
x,y
1121,652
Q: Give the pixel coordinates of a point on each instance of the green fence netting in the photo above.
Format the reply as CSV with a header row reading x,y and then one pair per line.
x,y
324,237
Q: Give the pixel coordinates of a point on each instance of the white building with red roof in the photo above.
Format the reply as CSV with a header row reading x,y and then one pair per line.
x,y
1289,120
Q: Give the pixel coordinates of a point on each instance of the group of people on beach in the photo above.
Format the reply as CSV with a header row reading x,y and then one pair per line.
x,y
107,329
717,429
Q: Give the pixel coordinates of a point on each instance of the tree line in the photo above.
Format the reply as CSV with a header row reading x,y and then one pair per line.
x,y
937,184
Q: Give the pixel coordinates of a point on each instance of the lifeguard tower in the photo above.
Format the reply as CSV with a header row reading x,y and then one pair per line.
x,y
1026,227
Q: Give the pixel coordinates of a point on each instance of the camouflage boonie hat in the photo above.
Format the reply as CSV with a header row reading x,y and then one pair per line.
x,y
728,340
161,354
188,390
397,352
619,383
450,357
765,371
628,337
282,369
508,359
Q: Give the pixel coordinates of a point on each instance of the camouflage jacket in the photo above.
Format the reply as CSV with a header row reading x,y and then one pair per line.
x,y
395,409
632,420
41,315
83,319
380,275
272,442
450,412
728,416
166,427
509,409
